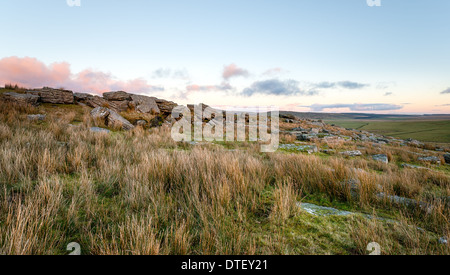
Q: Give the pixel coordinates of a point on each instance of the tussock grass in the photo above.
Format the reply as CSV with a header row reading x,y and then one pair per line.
x,y
139,192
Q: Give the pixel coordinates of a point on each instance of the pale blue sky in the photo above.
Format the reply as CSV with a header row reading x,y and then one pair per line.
x,y
402,47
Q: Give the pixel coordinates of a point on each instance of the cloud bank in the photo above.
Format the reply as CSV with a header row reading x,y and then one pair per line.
x,y
32,73
342,84
447,91
355,107
276,87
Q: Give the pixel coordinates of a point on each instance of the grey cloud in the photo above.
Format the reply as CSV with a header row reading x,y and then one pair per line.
x,y
388,94
356,107
342,84
276,87
169,73
447,91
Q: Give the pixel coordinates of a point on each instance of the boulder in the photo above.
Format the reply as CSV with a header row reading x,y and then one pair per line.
x,y
111,118
432,159
99,130
95,101
405,202
411,166
20,99
144,104
117,96
54,96
381,158
36,117
355,153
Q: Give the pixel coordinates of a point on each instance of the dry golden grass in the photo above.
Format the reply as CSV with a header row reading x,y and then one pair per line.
x,y
139,192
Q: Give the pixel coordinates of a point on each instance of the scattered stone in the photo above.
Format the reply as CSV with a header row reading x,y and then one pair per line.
x,y
406,202
36,117
411,166
310,149
99,130
381,158
415,143
21,99
432,159
443,240
314,131
322,210
352,153
111,118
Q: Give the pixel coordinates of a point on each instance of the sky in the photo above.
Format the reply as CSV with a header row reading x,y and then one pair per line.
x,y
300,55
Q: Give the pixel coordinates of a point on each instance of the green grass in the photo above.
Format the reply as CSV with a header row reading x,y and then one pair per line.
x,y
428,131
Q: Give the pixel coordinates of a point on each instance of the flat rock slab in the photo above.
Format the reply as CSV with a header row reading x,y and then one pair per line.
x,y
355,153
21,99
36,117
322,210
411,166
99,130
111,118
381,158
301,148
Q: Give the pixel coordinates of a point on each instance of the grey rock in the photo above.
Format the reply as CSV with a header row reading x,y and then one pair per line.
x,y
314,131
111,118
37,117
443,240
432,159
144,104
317,210
310,149
54,96
20,99
117,96
381,158
411,166
355,153
99,130
405,202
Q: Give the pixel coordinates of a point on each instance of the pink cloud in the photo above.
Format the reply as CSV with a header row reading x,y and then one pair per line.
x,y
232,71
32,73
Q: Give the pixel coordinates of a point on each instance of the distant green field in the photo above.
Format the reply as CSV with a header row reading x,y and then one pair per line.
x,y
430,131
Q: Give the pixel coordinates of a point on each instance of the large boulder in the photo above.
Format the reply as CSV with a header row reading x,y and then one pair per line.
x,y
144,104
381,158
117,96
95,101
111,118
20,99
54,96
